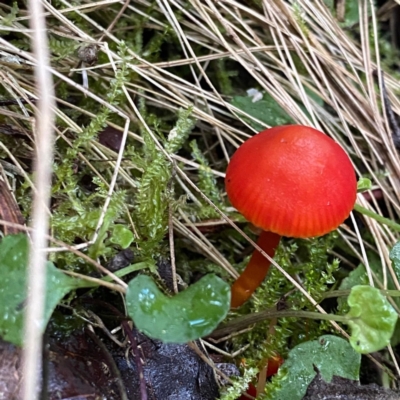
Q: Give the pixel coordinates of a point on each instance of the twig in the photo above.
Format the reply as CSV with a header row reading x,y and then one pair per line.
x,y
135,350
132,338
32,353
115,20
394,126
111,363
195,348
340,6
10,102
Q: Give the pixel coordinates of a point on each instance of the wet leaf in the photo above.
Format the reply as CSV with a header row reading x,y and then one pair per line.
x,y
186,316
13,264
331,355
373,319
395,257
356,277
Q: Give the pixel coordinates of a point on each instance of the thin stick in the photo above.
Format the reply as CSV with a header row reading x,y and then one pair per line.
x,y
394,126
396,364
119,15
208,361
138,360
32,352
110,363
363,252
172,247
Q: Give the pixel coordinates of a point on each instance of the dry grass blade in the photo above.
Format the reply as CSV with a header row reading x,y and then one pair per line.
x,y
9,210
43,131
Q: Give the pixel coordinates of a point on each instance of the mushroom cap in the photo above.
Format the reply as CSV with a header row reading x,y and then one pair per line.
x,y
292,180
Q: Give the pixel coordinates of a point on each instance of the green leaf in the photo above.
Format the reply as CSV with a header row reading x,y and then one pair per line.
x,y
373,319
122,236
363,184
395,257
266,110
187,316
356,277
13,264
332,355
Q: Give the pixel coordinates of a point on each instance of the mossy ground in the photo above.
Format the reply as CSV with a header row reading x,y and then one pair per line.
x,y
171,78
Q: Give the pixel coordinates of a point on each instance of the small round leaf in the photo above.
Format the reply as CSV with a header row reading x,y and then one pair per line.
x,y
363,185
187,316
121,236
373,319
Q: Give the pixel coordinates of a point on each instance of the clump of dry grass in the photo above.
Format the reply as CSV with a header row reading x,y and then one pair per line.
x,y
293,51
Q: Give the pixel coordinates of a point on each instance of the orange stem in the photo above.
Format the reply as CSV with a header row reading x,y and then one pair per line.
x,y
256,270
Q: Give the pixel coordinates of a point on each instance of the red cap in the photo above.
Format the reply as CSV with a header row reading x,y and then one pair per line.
x,y
292,180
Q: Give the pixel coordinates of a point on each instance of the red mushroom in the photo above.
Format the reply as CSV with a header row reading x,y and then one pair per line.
x,y
289,181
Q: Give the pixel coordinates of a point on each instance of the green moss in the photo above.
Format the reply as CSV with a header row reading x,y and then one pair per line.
x,y
239,385
155,193
207,183
310,260
9,18
62,47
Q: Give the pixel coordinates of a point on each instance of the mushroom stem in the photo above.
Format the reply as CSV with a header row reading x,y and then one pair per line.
x,y
255,271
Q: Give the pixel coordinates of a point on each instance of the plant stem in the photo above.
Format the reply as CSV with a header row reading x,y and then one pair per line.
x,y
270,313
346,292
377,217
247,320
